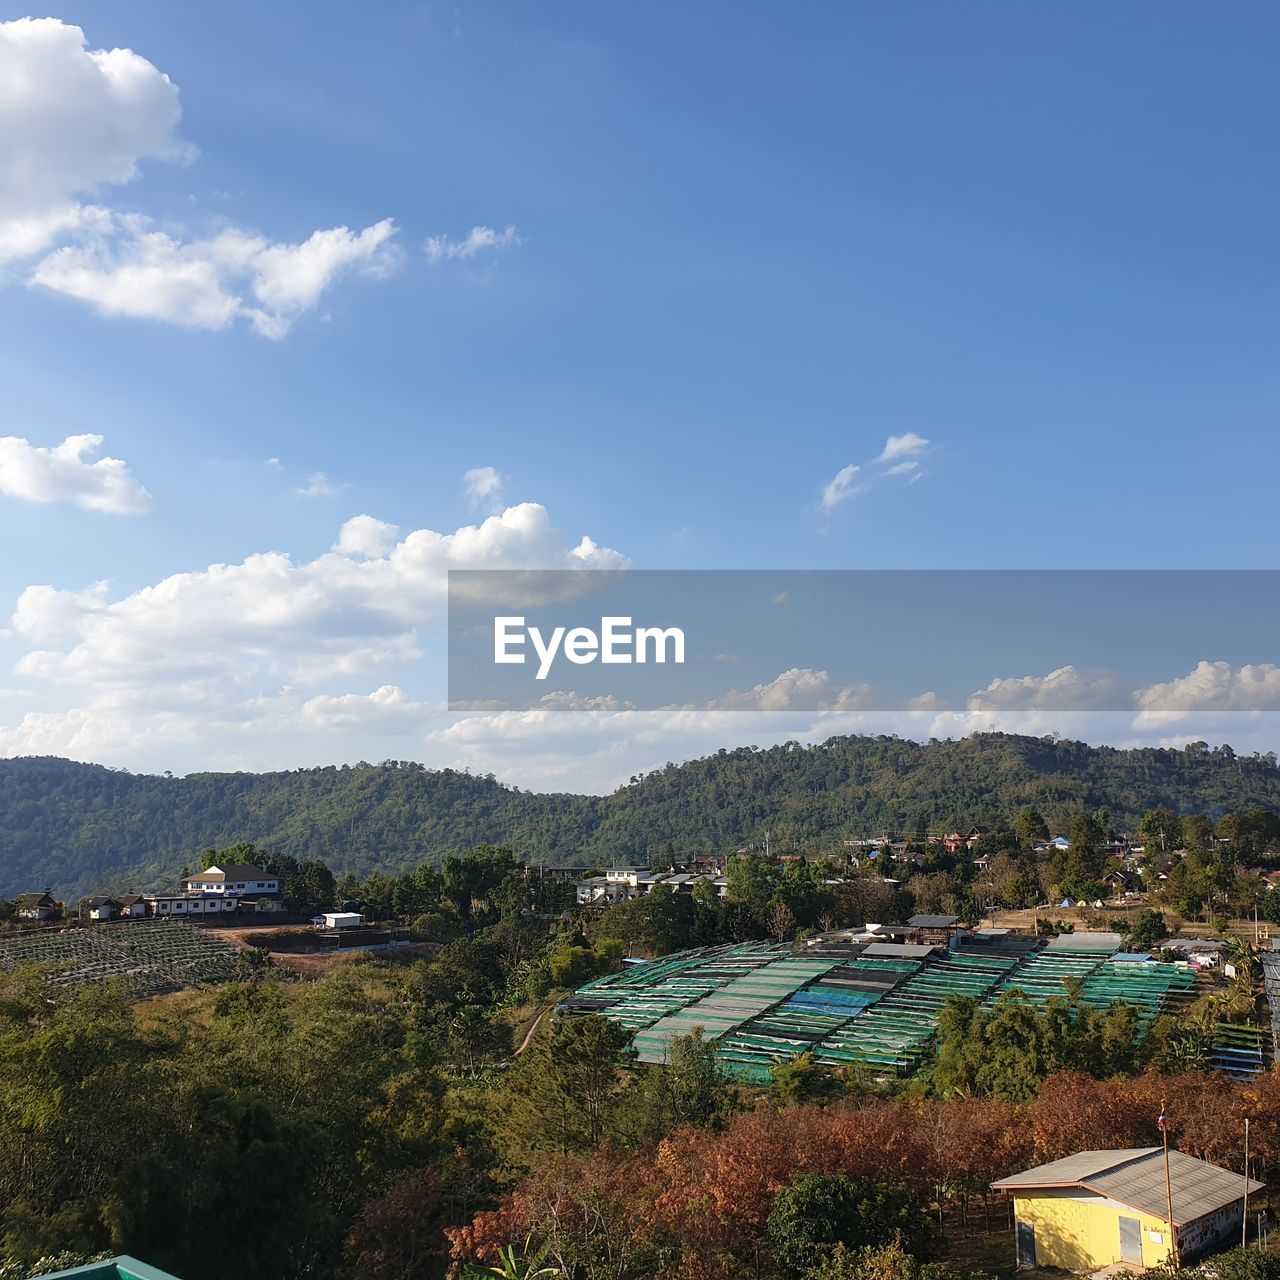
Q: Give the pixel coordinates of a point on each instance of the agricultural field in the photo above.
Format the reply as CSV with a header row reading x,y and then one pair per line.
x,y
156,956
869,1004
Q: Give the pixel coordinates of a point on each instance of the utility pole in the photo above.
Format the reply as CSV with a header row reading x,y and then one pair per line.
x,y
1168,1187
1244,1216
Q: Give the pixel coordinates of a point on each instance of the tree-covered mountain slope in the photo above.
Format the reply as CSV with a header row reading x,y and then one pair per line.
x,y
76,827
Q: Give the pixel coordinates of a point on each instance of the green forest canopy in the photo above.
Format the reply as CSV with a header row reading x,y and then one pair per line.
x,y
79,827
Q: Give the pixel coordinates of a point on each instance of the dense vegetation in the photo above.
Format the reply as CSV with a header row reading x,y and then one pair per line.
x,y
402,1115
79,828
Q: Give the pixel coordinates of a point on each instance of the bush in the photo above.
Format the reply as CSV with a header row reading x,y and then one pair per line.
x,y
819,1211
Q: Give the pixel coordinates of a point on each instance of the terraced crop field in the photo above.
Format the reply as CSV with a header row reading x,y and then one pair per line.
x,y
155,956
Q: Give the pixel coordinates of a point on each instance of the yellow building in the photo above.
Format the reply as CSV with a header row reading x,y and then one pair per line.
x,y
1098,1207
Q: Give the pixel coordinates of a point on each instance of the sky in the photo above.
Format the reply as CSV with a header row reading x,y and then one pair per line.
x,y
301,307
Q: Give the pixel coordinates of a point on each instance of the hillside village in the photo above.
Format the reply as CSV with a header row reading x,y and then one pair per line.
x,y
958,977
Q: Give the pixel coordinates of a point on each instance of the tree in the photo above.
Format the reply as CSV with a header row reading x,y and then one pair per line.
x,y
1147,929
819,1211
803,1080
1030,825
561,1092
476,875
687,1089
398,1236
1197,832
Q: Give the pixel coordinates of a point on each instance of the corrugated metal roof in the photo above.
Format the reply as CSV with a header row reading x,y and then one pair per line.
x,y
932,922
1135,1177
906,949
1072,1169
1198,1187
1086,940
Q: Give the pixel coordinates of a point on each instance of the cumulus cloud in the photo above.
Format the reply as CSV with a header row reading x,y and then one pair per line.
x,y
205,646
388,709
483,487
65,474
74,121
800,688
365,536
208,284
479,239
1212,686
841,487
1068,687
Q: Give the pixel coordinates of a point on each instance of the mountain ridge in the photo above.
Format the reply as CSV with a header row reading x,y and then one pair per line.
x,y
79,827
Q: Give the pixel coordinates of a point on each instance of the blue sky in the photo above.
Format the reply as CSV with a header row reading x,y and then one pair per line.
x,y
749,245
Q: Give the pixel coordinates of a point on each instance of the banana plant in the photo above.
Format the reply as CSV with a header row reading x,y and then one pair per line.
x,y
514,1266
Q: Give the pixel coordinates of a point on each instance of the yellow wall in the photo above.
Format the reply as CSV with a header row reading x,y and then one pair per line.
x,y
1082,1234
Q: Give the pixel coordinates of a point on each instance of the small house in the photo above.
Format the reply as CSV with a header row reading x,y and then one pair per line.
x,y
39,906
101,908
1099,1208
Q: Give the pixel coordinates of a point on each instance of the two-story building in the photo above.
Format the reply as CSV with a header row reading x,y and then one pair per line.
x,y
241,879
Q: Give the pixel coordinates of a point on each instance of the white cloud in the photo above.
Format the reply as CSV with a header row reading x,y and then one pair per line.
x,y
842,486
800,688
388,709
899,457
1211,686
208,284
478,239
204,649
73,120
483,487
365,536
63,474
319,486
1068,687
903,446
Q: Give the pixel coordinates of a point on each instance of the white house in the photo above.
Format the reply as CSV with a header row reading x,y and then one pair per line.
x,y
238,878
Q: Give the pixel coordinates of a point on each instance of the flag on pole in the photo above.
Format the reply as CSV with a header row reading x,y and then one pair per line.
x,y
1160,1121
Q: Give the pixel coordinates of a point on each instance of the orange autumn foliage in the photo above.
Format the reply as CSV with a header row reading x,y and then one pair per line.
x,y
698,1201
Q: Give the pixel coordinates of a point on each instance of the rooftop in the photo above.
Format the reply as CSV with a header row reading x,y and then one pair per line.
x,y
1135,1177
232,871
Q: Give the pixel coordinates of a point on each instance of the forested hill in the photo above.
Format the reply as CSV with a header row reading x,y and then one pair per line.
x,y
77,827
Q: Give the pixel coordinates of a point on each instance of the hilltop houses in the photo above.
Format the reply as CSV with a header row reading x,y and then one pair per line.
x,y
621,883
